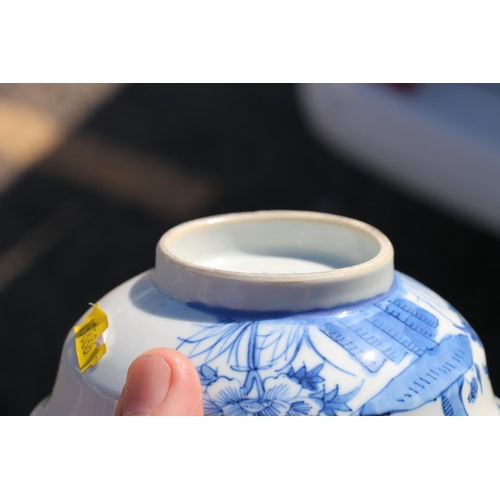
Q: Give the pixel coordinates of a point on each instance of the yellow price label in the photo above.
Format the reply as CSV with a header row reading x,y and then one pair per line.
x,y
90,347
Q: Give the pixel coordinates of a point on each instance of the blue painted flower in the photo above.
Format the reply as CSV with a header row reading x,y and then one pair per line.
x,y
282,396
307,379
334,402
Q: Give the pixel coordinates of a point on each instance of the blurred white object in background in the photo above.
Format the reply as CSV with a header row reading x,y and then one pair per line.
x,y
441,141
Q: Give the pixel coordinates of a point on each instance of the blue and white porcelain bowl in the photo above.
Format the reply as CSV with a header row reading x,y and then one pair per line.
x,y
286,313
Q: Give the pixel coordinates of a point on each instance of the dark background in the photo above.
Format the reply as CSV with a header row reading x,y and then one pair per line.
x,y
89,215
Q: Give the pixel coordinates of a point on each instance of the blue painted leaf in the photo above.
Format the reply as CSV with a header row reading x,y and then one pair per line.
x,y
222,338
319,395
479,376
473,391
282,343
315,371
332,395
331,408
347,397
207,375
333,402
327,410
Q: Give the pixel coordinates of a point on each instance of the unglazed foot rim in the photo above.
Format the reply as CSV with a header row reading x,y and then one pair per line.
x,y
181,275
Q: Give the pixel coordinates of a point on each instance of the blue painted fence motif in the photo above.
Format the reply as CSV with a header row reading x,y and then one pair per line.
x,y
283,366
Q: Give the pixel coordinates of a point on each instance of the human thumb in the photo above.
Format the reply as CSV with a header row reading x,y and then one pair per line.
x,y
161,382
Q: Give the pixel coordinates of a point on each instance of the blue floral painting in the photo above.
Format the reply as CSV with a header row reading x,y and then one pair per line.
x,y
390,355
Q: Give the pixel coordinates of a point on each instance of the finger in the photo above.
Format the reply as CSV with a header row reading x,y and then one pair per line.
x,y
161,382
